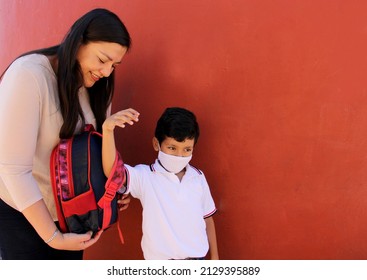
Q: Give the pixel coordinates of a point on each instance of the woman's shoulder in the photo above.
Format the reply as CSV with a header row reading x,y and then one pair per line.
x,y
30,72
35,63
32,69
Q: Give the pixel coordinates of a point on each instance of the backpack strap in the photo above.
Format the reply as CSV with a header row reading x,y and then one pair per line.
x,y
115,181
55,180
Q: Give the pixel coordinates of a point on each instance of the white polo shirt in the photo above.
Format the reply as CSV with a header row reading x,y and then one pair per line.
x,y
173,211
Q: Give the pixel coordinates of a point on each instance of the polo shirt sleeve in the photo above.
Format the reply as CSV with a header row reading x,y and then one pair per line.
x,y
133,179
20,104
209,208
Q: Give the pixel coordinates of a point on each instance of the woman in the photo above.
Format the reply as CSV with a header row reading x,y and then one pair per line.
x,y
45,95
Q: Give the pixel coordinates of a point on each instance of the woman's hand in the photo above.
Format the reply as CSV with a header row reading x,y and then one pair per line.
x,y
73,241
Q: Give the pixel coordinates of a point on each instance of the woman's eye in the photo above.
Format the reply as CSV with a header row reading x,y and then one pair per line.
x,y
101,60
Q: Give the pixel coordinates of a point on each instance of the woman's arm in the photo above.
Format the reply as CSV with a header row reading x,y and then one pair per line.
x,y
39,217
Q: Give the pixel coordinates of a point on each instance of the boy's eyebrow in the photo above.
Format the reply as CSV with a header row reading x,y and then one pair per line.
x,y
185,147
109,58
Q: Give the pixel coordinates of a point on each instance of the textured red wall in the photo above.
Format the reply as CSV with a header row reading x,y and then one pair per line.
x,y
279,89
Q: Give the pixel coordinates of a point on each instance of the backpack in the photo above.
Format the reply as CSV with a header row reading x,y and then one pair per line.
x,y
86,200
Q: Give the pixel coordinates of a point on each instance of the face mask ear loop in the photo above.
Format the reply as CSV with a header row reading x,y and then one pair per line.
x,y
159,146
160,151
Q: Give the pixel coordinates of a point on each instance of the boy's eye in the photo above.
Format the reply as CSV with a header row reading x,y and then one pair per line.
x,y
171,148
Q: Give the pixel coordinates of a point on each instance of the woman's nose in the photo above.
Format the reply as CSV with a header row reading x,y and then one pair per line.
x,y
106,71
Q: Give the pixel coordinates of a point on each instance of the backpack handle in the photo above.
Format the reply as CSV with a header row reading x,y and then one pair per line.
x,y
89,127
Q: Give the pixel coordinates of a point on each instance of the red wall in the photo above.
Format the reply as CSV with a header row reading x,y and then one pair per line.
x,y
280,92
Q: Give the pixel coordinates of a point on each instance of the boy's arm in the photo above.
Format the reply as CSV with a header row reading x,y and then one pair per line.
x,y
108,140
108,151
212,238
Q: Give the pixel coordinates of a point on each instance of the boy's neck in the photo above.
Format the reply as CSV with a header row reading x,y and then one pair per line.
x,y
181,174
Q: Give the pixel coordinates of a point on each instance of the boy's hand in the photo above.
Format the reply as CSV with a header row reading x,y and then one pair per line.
x,y
120,119
123,201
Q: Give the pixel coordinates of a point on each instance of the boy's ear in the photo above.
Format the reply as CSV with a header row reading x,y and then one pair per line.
x,y
155,144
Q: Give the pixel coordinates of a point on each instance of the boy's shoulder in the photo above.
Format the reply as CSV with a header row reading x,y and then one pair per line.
x,y
141,166
196,170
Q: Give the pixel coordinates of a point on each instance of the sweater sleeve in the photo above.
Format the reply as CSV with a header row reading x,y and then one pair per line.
x,y
20,105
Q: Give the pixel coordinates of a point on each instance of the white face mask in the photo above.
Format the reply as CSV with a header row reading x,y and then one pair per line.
x,y
172,163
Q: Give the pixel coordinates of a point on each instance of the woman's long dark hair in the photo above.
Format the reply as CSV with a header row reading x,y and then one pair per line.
x,y
96,25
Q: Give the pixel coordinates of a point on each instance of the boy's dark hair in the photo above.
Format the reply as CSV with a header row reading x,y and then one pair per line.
x,y
177,123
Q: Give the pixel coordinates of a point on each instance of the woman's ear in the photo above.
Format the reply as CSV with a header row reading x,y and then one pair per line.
x,y
155,144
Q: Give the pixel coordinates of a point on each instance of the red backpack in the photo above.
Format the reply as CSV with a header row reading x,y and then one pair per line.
x,y
86,200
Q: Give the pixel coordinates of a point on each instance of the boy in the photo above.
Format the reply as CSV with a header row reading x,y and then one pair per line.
x,y
176,200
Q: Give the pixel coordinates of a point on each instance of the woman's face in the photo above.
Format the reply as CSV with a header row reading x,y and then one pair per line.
x,y
98,60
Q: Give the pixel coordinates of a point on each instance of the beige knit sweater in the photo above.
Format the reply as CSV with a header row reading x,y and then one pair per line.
x,y
29,129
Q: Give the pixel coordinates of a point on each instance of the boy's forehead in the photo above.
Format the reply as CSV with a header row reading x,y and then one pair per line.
x,y
173,141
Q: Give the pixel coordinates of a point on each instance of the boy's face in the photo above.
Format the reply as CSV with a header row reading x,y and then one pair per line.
x,y
172,147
